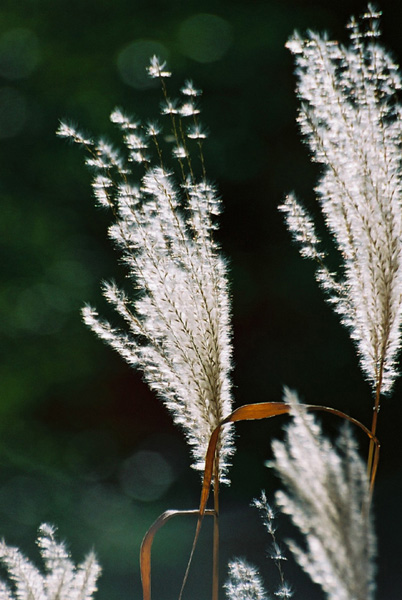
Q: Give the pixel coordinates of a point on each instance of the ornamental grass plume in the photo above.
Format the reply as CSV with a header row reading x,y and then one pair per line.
x,y
62,580
351,118
176,315
327,497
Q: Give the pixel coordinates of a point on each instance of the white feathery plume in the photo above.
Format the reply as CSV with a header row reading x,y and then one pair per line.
x,y
244,582
352,120
62,579
177,319
327,497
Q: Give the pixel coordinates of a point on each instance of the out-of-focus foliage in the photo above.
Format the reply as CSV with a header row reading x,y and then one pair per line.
x,y
72,448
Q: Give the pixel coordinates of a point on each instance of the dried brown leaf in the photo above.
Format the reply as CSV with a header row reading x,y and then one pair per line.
x,y
247,412
145,552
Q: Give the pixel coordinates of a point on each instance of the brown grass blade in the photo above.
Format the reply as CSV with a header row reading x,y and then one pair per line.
x,y
146,545
251,412
261,410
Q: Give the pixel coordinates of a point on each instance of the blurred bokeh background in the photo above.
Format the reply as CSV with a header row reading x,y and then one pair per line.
x,y
83,443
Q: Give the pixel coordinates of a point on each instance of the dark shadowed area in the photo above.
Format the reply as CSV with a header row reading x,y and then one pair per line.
x,y
83,443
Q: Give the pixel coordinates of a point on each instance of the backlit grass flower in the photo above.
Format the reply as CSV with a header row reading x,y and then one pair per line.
x,y
176,313
351,117
327,497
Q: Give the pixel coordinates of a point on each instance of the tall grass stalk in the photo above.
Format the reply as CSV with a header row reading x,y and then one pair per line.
x,y
351,117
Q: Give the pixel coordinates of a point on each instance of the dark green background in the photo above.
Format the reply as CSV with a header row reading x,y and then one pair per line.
x,y
75,423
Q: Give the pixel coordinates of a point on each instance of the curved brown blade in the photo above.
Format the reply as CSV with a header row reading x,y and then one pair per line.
x,y
250,412
146,545
247,412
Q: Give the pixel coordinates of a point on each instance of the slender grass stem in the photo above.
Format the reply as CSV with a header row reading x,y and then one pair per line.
x,y
371,465
215,568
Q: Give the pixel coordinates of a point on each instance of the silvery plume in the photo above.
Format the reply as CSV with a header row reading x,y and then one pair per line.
x,y
351,118
176,313
327,497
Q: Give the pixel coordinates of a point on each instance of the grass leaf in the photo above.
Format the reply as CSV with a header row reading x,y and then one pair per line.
x,y
247,412
145,552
